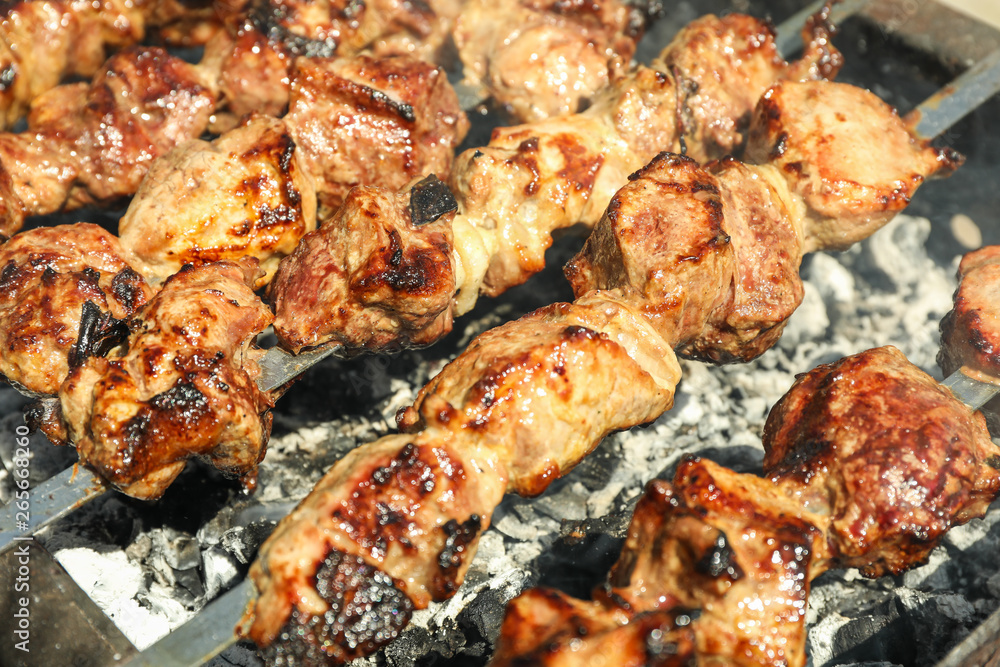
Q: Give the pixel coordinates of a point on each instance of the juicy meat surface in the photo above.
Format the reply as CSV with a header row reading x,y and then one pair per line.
x,y
245,194
542,58
970,333
396,118
47,276
869,462
896,458
846,153
412,506
182,385
383,281
92,143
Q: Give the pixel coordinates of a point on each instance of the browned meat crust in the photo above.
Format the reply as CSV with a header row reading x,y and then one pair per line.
x,y
542,58
182,385
47,276
869,462
245,194
970,333
534,179
44,41
92,144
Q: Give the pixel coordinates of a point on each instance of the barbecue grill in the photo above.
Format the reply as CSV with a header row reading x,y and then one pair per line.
x,y
118,575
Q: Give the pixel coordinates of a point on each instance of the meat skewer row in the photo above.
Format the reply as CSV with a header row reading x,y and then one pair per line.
x,y
701,260
868,462
42,42
370,278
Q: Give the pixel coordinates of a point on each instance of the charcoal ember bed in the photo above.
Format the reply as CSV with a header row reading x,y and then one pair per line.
x,y
152,566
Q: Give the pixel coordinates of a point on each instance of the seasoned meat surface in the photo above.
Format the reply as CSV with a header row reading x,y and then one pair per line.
x,y
898,458
846,153
48,276
589,368
970,333
380,281
245,194
542,58
396,118
182,385
869,462
92,144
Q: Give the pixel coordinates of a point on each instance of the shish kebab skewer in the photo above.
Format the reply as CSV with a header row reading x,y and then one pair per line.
x,y
868,463
703,261
61,494
108,437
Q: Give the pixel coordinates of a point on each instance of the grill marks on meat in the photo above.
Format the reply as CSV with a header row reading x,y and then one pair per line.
x,y
244,194
49,278
92,143
546,58
475,435
869,461
182,386
361,121
711,254
534,179
970,333
379,282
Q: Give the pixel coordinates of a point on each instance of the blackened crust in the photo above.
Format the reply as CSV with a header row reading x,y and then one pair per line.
x,y
366,612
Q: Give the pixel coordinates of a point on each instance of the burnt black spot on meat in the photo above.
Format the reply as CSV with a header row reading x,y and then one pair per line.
x,y
720,561
267,17
366,611
183,400
576,332
10,276
780,146
127,288
458,538
429,200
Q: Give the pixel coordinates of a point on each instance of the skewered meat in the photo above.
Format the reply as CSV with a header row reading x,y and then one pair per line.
x,y
514,399
244,194
534,179
183,385
47,278
89,144
44,41
542,58
869,461
397,118
253,191
970,333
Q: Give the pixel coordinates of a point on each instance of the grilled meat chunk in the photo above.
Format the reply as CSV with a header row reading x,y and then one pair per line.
x,y
412,506
868,460
396,118
245,194
369,283
542,58
970,333
43,42
92,143
537,178
48,276
183,385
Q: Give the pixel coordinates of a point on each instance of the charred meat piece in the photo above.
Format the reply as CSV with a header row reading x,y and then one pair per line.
x,y
42,42
537,178
63,291
711,254
869,461
546,58
92,143
366,121
970,333
245,194
412,506
894,456
371,283
183,385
